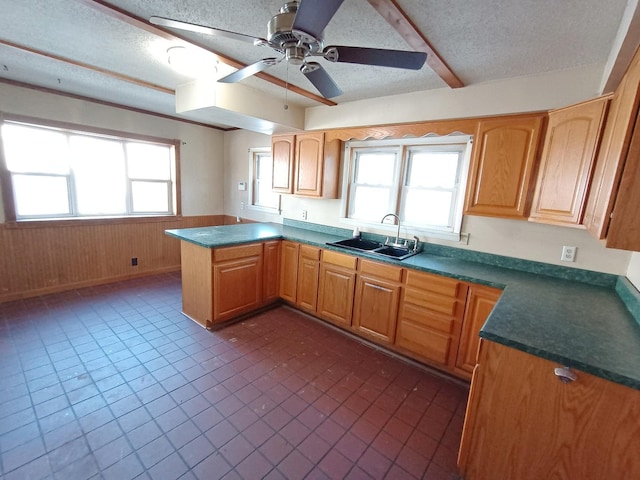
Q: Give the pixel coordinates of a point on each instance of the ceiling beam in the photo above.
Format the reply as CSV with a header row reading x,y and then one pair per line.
x,y
398,19
131,19
119,76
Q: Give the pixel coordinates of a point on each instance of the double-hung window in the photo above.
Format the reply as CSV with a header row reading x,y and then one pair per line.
x,y
261,196
61,172
420,180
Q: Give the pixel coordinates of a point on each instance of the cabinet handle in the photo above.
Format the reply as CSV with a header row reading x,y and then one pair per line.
x,y
565,375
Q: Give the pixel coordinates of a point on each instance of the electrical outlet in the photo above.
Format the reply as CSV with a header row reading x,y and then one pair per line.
x,y
569,254
241,205
134,261
304,214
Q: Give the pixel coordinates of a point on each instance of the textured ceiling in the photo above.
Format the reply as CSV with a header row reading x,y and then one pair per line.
x,y
98,55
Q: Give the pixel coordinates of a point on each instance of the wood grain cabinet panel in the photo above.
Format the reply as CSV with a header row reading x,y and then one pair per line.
x,y
376,301
336,287
289,270
505,152
306,165
480,302
237,287
282,153
568,155
308,274
271,269
523,422
430,317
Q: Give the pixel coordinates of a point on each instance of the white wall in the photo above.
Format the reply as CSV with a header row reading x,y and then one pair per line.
x,y
633,272
523,94
201,155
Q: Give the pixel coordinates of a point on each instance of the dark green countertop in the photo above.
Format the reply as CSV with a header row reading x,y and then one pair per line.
x,y
582,325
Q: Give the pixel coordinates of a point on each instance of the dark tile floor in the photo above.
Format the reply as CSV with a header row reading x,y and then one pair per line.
x,y
113,382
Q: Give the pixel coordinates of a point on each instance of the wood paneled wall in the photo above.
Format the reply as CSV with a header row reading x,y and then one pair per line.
x,y
36,260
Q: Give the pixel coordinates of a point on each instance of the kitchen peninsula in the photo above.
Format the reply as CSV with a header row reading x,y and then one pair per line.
x,y
546,317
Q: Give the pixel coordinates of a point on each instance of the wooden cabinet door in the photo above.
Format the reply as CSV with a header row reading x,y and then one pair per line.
x,y
523,422
309,153
308,271
505,151
289,270
612,154
335,294
376,308
271,270
237,286
480,303
377,296
568,154
282,152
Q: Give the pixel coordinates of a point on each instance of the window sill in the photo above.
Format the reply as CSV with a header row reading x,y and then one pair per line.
x,y
66,222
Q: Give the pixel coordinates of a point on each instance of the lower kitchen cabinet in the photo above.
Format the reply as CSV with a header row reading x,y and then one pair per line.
x,y
522,422
480,302
307,284
336,287
237,280
430,317
271,267
289,252
376,301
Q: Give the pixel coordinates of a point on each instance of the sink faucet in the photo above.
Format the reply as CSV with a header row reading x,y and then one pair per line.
x,y
397,242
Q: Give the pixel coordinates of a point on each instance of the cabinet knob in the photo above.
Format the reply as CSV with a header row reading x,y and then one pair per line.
x,y
565,375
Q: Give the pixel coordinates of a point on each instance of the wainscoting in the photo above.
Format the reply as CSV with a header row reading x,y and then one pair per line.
x,y
51,257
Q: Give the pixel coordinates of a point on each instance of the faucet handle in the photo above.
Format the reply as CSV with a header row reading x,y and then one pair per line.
x,y
415,245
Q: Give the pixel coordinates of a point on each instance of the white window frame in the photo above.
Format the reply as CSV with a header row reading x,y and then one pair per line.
x,y
122,138
253,154
457,142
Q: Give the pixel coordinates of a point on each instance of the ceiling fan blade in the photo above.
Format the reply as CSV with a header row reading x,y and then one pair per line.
x,y
320,79
376,56
249,70
192,27
313,16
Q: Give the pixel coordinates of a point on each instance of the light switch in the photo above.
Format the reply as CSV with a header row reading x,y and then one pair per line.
x,y
242,186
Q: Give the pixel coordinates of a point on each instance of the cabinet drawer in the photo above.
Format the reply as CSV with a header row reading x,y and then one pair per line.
x,y
307,251
433,283
380,270
425,318
431,301
241,251
340,259
424,342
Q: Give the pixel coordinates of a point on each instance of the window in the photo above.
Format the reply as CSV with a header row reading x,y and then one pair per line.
x,y
58,172
261,197
420,180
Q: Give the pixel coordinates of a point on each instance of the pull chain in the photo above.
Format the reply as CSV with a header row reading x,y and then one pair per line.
x,y
286,88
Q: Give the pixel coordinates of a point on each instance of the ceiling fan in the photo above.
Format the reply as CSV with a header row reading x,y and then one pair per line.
x,y
296,34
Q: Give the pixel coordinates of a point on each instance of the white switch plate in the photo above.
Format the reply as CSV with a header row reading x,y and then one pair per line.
x,y
304,214
569,254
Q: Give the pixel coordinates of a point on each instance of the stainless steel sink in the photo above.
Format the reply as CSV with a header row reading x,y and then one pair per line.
x,y
375,248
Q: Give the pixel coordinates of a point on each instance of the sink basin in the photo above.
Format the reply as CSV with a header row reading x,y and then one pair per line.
x,y
375,248
398,253
357,243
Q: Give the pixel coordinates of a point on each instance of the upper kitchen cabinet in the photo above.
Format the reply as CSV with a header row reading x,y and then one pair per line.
x,y
568,155
502,168
621,229
282,148
306,165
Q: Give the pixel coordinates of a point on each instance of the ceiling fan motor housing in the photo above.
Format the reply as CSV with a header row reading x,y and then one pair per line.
x,y
282,38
